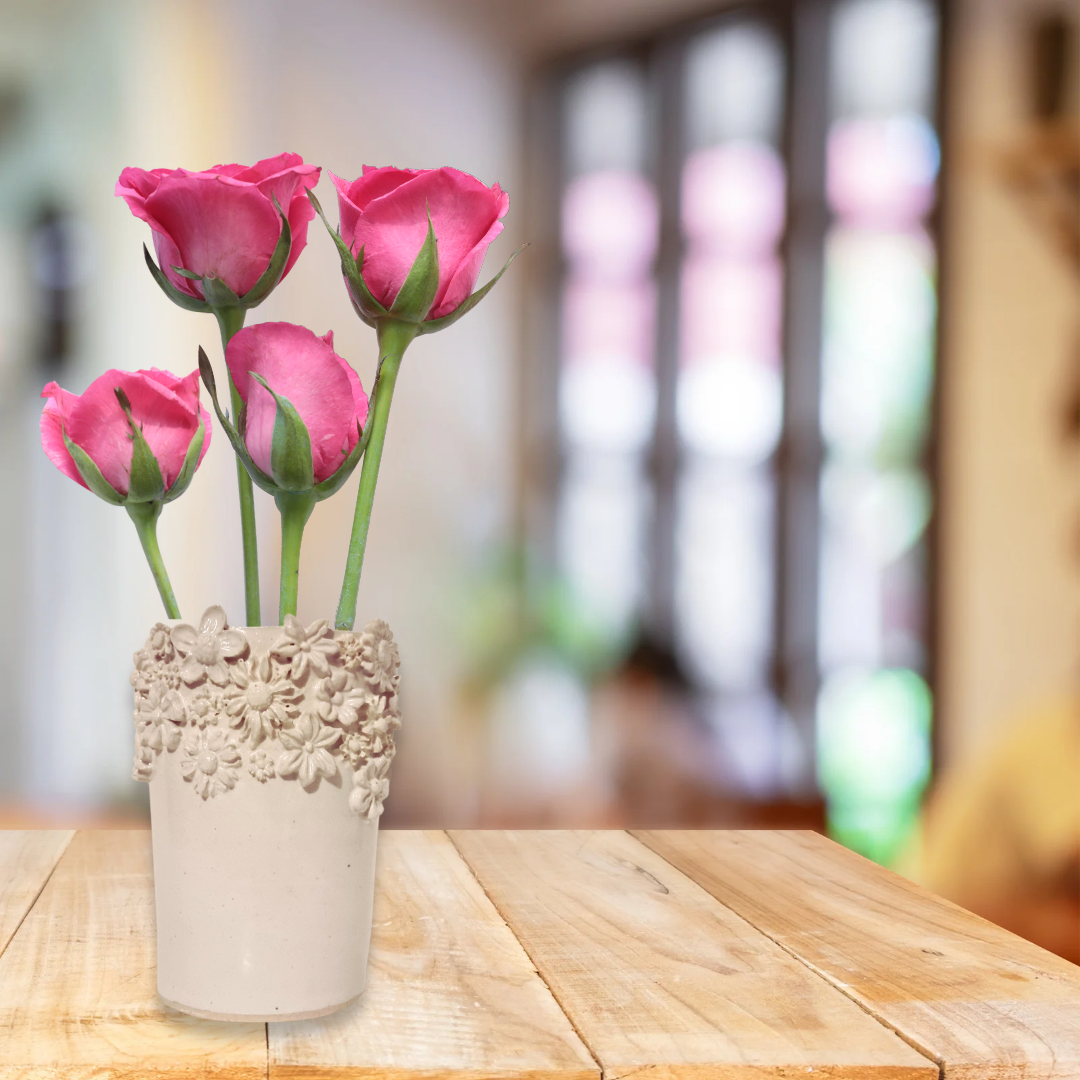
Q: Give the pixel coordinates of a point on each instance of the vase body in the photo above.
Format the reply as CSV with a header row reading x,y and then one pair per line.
x,y
267,771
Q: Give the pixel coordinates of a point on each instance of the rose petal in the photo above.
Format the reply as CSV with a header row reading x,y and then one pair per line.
x,y
300,366
219,225
53,420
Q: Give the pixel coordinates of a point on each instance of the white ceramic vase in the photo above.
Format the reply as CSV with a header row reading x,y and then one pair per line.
x,y
267,751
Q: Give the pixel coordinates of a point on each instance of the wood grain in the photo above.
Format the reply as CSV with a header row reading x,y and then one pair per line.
x,y
657,975
27,859
78,995
450,991
979,1000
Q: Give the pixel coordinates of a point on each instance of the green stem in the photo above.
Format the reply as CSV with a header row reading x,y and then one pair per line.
x,y
394,339
230,320
145,515
295,507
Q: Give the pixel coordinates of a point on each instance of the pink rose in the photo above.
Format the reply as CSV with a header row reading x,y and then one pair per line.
x,y
222,221
165,408
304,369
386,212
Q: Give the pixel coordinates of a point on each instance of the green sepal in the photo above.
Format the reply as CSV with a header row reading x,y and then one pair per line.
x,y
145,482
417,292
91,474
191,463
189,274
334,482
218,294
466,305
290,451
235,437
272,274
181,299
367,307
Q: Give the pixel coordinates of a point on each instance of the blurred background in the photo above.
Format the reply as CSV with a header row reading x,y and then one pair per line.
x,y
750,498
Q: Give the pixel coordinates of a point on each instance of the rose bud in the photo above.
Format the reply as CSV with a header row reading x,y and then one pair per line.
x,y
146,452
412,242
135,439
225,236
300,426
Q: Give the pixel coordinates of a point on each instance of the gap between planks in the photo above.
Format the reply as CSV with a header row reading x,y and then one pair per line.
x,y
601,1072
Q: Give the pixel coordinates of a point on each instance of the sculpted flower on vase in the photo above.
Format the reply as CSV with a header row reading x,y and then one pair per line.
x,y
379,657
371,785
338,702
144,762
261,766
159,716
258,701
304,648
307,750
159,644
205,705
205,650
379,727
212,762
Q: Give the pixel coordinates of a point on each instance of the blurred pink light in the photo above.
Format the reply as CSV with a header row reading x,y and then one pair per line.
x,y
733,198
882,171
731,306
609,321
610,223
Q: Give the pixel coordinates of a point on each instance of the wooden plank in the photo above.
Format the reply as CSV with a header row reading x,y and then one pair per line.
x,y
657,975
450,991
979,1000
26,860
78,994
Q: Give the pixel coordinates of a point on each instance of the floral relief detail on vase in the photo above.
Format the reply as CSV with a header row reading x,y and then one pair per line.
x,y
206,651
159,716
379,657
303,648
212,761
159,644
371,785
307,750
338,702
261,766
144,762
297,725
261,699
205,705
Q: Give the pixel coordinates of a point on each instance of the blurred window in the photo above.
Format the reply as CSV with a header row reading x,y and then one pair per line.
x,y
745,378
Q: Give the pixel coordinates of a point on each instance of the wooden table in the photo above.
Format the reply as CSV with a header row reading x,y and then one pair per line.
x,y
553,954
